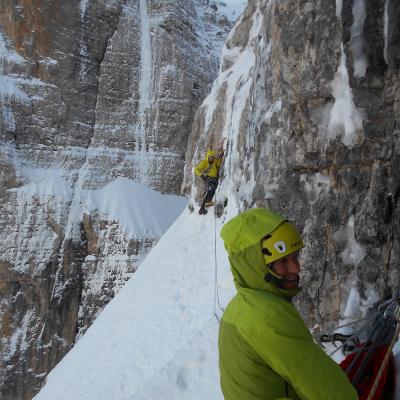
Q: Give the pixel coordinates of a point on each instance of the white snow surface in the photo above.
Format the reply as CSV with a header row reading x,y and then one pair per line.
x,y
233,8
140,211
157,338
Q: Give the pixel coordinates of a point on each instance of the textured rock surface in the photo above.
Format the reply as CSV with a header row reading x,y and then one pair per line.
x,y
89,92
315,118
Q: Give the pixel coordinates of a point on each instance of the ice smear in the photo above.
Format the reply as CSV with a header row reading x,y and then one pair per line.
x,y
386,30
83,7
9,90
360,61
344,117
8,117
314,185
233,8
146,80
353,304
274,108
19,341
7,54
354,252
339,7
236,80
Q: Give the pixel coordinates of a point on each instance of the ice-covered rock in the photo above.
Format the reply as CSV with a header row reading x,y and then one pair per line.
x,y
309,111
97,99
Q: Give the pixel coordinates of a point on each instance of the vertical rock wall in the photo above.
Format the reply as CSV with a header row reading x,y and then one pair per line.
x,y
311,121
90,91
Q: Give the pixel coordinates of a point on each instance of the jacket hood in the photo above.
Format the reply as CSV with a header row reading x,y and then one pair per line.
x,y
210,153
242,237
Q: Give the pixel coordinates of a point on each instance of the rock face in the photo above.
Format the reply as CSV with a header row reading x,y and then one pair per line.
x,y
308,101
89,92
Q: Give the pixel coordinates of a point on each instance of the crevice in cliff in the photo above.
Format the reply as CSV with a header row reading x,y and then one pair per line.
x,y
113,28
320,288
71,249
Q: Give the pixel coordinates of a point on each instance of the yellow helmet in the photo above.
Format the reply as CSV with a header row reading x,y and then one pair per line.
x,y
281,242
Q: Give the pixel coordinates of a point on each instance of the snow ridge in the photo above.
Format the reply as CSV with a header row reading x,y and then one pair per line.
x,y
149,334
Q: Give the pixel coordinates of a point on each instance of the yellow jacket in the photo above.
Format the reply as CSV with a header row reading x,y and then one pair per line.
x,y
204,167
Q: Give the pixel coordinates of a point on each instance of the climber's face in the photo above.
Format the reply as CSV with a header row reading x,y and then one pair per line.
x,y
211,159
288,268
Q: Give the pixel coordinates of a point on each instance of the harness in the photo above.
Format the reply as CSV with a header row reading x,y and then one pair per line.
x,y
369,363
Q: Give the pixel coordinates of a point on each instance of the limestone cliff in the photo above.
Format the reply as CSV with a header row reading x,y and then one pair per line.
x,y
95,96
308,99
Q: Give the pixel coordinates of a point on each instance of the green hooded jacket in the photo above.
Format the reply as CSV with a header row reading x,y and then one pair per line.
x,y
265,349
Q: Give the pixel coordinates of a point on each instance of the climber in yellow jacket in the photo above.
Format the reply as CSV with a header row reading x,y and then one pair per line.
x,y
208,170
266,351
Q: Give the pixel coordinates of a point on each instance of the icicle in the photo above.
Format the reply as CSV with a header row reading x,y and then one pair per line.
x,y
145,83
344,113
339,6
386,30
83,8
360,61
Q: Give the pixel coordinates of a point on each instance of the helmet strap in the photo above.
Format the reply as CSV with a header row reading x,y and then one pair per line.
x,y
272,277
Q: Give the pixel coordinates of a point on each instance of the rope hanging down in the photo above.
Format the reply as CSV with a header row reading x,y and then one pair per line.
x,y
216,286
216,292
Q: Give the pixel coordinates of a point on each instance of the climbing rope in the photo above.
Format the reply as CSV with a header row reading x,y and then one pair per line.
x,y
216,290
217,302
383,328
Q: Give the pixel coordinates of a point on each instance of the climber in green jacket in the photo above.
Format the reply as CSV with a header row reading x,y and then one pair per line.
x,y
265,349
208,170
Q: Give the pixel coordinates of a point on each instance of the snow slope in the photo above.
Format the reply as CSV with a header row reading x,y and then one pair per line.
x,y
157,338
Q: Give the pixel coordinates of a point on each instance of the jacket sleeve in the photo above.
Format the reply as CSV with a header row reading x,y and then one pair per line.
x,y
200,167
287,346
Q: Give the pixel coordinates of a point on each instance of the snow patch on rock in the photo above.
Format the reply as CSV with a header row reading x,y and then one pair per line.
x,y
314,185
344,120
274,108
19,341
353,252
